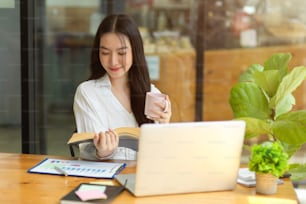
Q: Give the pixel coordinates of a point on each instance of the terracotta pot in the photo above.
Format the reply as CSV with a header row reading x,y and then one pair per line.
x,y
266,183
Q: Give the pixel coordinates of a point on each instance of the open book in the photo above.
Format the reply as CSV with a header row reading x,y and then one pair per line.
x,y
128,137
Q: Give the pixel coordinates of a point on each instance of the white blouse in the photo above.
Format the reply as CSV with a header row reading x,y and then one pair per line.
x,y
96,109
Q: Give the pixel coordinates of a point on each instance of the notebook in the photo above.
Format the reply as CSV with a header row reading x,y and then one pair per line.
x,y
186,157
75,196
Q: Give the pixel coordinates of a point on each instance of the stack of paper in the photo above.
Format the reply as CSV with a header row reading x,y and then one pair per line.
x,y
246,177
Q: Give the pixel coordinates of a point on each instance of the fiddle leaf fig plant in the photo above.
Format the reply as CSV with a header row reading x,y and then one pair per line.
x,y
264,98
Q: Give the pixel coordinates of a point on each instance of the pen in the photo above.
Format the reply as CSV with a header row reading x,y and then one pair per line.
x,y
60,170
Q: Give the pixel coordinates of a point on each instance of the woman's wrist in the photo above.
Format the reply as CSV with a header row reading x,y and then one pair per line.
x,y
103,157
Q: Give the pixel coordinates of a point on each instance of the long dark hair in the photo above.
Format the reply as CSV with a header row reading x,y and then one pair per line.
x,y
138,76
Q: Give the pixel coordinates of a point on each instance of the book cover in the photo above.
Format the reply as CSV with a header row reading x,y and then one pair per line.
x,y
123,133
110,191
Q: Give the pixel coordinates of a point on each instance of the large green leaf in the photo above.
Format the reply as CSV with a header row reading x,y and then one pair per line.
x,y
289,83
291,127
268,81
255,127
285,105
290,148
248,100
278,61
297,171
247,76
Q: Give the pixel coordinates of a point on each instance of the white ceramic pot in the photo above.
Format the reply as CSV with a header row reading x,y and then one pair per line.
x,y
266,183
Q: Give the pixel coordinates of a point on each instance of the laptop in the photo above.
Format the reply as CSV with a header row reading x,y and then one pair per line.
x,y
186,157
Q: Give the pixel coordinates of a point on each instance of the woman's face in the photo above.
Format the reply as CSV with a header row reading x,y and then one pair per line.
x,y
115,54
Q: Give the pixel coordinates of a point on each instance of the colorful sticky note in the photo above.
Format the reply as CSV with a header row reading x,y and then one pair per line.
x,y
91,194
92,187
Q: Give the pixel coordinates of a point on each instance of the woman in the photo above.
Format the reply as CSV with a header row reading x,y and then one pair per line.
x,y
114,95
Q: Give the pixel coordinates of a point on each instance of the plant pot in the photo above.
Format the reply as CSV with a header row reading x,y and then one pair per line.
x,y
266,183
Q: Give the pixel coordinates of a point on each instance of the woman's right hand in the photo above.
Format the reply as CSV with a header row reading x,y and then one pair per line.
x,y
106,143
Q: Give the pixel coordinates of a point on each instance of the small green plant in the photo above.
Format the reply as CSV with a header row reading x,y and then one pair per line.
x,y
268,157
264,99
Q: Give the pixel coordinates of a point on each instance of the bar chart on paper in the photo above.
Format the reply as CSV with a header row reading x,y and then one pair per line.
x,y
77,168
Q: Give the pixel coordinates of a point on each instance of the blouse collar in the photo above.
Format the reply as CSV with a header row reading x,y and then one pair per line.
x,y
103,81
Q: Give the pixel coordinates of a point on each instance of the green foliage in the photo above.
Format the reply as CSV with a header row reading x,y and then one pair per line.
x,y
264,98
268,157
298,171
248,100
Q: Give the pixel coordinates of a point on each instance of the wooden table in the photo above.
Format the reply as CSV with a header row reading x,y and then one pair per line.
x,y
18,186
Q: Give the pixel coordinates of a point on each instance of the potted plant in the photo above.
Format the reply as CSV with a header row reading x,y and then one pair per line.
x,y
269,161
264,98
